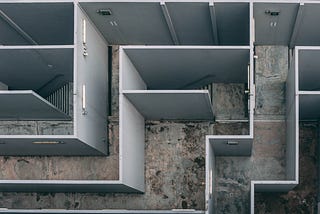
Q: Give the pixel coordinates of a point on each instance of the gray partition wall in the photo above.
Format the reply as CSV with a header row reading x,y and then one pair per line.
x,y
46,76
156,85
302,104
210,178
173,22
42,69
91,84
170,51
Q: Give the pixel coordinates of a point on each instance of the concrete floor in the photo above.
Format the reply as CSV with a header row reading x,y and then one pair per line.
x,y
175,163
268,158
271,73
303,198
235,173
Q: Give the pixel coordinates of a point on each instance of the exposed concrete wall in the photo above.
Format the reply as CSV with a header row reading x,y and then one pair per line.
x,y
175,164
303,198
230,102
36,127
115,82
235,173
44,167
268,157
271,74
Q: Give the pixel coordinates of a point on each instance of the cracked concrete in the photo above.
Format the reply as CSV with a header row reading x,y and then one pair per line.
x,y
230,102
303,198
174,156
271,73
235,173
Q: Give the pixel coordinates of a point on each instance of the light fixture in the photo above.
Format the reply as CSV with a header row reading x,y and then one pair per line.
x,y
272,12
113,23
232,143
47,142
273,24
104,12
84,104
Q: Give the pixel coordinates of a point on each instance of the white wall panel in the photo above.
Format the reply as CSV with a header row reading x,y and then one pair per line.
x,y
91,72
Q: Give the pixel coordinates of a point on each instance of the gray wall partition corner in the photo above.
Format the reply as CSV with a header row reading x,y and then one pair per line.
x,y
233,145
210,178
155,85
293,26
89,76
292,142
44,67
44,60
302,104
91,84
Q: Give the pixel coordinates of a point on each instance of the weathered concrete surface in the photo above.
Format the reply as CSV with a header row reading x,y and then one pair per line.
x,y
36,127
271,73
268,156
174,168
303,198
175,156
115,82
174,175
175,172
230,128
235,173
18,127
230,102
53,167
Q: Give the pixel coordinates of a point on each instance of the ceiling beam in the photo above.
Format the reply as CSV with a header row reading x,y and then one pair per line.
x,y
166,14
17,28
296,26
214,23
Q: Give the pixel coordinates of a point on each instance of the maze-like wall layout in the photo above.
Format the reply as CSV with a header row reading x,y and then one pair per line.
x,y
170,52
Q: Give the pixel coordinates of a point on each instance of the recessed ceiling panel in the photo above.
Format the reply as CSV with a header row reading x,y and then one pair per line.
x,y
45,23
130,22
27,105
172,105
309,105
40,70
189,68
233,23
309,31
309,70
192,22
274,22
